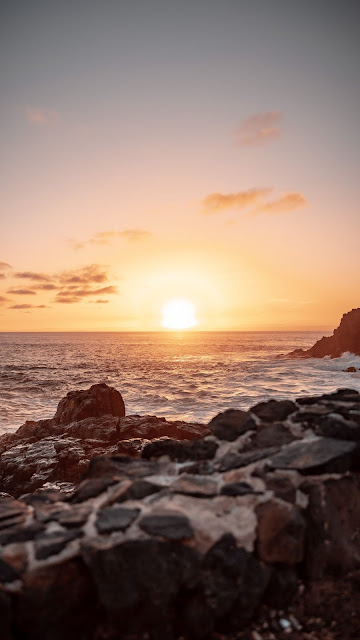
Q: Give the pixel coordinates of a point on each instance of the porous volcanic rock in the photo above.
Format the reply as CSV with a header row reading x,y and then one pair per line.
x,y
345,338
146,547
99,400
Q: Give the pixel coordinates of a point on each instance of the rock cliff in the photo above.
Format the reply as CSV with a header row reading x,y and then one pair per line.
x,y
345,338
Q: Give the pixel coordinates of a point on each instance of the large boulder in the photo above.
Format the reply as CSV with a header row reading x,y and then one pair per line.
x,y
345,338
97,401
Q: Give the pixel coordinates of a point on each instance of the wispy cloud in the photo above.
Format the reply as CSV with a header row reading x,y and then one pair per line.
x,y
33,276
217,202
4,266
22,292
259,128
98,301
29,306
92,273
3,300
289,201
255,201
40,116
106,237
74,294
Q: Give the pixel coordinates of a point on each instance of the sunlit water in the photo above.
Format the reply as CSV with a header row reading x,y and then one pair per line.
x,y
190,376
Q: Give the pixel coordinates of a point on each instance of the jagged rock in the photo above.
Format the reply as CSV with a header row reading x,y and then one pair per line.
x,y
97,401
281,531
231,424
318,455
345,338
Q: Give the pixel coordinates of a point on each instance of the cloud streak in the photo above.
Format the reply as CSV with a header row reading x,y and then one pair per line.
x,y
106,237
255,201
29,306
259,129
33,276
22,292
217,202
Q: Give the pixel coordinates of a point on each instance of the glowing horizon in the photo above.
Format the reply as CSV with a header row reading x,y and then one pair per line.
x,y
136,169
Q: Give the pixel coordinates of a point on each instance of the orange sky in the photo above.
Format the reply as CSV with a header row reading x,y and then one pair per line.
x,y
200,151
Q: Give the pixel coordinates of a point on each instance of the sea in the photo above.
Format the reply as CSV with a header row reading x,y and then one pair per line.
x,y
188,376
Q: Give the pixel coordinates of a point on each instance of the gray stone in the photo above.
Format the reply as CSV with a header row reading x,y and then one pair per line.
x,y
274,410
115,519
168,525
181,451
320,455
194,486
233,460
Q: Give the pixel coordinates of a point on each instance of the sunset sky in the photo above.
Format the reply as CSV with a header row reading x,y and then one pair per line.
x,y
152,149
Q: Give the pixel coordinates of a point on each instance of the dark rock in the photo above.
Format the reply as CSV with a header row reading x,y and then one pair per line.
x,y
21,533
7,572
254,585
138,490
56,602
231,424
335,426
168,525
320,455
237,489
5,617
273,435
193,486
151,427
333,516
138,580
282,588
345,338
281,486
350,370
233,460
115,519
99,400
180,451
274,410
281,531
91,488
202,468
119,467
74,517
50,544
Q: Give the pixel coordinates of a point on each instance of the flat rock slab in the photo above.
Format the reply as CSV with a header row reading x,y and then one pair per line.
x,y
170,525
115,519
195,486
320,455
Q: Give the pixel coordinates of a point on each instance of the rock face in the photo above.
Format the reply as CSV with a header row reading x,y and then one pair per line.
x,y
86,424
345,338
188,538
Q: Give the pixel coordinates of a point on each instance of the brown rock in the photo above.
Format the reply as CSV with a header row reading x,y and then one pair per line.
x,y
281,530
99,400
345,338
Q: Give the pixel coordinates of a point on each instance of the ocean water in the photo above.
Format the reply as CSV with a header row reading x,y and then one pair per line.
x,y
190,376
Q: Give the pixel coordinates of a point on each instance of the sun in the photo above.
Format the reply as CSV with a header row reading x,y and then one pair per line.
x,y
178,313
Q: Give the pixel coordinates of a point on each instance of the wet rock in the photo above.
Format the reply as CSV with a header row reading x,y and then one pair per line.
x,y
318,455
194,486
99,400
274,410
281,531
231,424
115,519
171,526
345,338
180,451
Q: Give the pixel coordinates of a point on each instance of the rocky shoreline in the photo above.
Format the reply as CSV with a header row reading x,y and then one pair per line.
x,y
135,527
